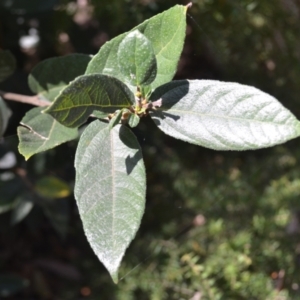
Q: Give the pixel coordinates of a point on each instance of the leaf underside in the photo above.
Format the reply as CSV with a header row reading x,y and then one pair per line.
x,y
40,132
110,190
223,115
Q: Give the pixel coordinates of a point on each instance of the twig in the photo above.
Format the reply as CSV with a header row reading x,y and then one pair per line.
x,y
33,100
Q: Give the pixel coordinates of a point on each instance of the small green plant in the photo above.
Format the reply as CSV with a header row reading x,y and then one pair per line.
x,y
131,78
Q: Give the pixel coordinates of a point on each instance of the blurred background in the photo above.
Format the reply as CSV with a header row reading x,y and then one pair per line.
x,y
217,225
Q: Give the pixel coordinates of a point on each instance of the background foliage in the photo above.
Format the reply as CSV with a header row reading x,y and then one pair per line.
x,y
217,225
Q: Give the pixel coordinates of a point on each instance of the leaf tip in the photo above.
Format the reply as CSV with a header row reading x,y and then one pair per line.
x,y
112,268
189,5
26,156
115,277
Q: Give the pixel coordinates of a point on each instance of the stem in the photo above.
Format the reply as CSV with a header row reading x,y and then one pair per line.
x,y
33,100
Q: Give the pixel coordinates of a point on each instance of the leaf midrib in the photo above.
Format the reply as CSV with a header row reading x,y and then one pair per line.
x,y
111,133
219,116
89,105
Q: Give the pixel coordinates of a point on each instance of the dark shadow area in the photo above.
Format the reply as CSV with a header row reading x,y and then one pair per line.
x,y
131,142
162,114
131,162
169,94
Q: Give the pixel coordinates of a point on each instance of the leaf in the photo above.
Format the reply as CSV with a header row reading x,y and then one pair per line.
x,y
21,210
52,187
86,94
5,114
100,115
165,31
7,64
133,120
137,59
223,115
51,75
110,190
40,132
115,119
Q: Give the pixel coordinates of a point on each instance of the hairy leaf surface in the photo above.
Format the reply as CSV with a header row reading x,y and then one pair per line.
x,y
40,132
88,93
165,31
137,59
223,115
51,75
110,190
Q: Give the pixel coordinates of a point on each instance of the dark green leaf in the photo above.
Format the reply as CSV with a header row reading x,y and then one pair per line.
x,y
7,64
5,114
115,119
165,31
40,132
223,115
100,115
86,94
137,59
110,190
50,76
